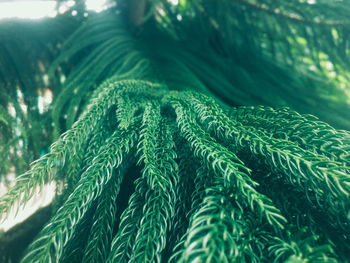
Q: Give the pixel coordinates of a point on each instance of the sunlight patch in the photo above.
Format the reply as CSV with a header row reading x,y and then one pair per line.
x,y
96,5
19,213
19,9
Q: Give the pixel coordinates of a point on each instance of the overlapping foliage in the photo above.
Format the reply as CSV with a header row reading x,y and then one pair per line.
x,y
274,53
151,168
233,208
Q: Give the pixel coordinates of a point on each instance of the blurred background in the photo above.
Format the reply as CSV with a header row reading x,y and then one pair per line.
x,y
31,33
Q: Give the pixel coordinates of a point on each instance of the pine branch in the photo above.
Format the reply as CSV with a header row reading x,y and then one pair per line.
x,y
100,237
160,171
324,182
307,131
226,163
57,233
70,143
122,244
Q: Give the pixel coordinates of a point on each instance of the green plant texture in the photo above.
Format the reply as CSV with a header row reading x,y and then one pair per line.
x,y
211,185
163,152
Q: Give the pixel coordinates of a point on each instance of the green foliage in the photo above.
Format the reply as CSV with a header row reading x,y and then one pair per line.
x,y
305,130
122,244
56,234
230,216
276,53
245,73
211,183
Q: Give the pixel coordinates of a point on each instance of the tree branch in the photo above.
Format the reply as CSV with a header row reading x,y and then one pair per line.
x,y
137,10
